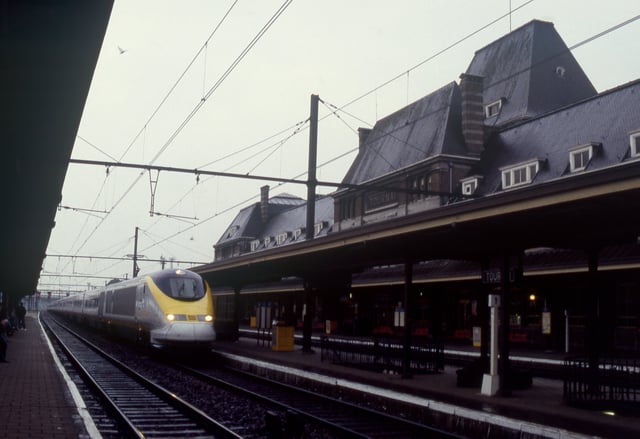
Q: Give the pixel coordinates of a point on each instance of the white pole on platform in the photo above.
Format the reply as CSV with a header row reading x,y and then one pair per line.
x,y
566,331
491,381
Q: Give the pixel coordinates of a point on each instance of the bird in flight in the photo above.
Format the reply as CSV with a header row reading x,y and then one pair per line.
x,y
121,50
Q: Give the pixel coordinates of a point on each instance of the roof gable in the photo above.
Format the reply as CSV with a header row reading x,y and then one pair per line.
x,y
532,71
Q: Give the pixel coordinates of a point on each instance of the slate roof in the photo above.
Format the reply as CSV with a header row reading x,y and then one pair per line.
x,y
286,214
532,70
425,128
549,106
248,222
295,218
607,119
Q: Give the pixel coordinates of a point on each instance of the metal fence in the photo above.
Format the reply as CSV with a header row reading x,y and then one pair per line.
x,y
611,382
382,354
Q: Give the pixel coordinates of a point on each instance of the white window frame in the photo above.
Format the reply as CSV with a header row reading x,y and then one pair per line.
x,y
634,143
297,233
255,245
493,109
267,241
282,238
469,185
318,227
578,151
520,174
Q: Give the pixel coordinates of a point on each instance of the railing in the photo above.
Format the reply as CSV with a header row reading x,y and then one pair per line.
x,y
382,354
611,382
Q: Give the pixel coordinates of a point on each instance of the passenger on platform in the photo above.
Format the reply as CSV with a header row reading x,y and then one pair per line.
x,y
21,312
4,328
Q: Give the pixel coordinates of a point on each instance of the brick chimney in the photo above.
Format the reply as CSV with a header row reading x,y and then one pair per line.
x,y
264,203
471,88
363,135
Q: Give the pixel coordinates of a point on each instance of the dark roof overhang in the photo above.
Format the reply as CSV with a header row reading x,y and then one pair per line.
x,y
49,51
584,211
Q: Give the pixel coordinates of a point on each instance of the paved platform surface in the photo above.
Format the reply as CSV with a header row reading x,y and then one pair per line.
x,y
537,410
35,401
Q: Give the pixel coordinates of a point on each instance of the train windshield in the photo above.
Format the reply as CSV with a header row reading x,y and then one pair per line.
x,y
182,288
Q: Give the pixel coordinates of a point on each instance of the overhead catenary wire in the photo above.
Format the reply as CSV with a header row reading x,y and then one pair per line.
x,y
177,82
384,84
600,34
362,96
199,105
266,27
222,78
149,119
279,146
435,55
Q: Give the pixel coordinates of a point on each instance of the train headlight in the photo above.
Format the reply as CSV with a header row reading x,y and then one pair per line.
x,y
208,318
171,317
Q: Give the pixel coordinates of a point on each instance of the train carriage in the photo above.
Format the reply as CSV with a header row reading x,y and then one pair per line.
x,y
166,308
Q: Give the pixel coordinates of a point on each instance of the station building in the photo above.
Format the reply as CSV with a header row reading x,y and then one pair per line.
x,y
524,114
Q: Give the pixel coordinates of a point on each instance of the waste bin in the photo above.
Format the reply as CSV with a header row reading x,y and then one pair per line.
x,y
282,338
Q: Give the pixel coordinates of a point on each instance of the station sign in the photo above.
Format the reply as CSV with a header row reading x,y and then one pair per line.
x,y
495,276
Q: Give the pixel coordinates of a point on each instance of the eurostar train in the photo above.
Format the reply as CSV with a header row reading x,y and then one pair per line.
x,y
168,308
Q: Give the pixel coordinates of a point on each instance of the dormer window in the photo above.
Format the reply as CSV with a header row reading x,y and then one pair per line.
x,y
493,109
282,238
267,241
470,184
255,244
580,156
318,227
520,174
634,143
297,233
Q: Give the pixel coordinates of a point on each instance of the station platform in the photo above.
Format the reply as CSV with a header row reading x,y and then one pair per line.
x,y
36,398
538,411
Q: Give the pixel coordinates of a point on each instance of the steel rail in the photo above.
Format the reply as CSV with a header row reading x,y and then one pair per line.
x,y
344,418
143,408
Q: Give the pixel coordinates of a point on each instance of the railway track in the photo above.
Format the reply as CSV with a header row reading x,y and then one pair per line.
x,y
291,411
141,408
344,419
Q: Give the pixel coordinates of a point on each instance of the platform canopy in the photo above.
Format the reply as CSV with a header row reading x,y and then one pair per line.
x,y
587,212
49,51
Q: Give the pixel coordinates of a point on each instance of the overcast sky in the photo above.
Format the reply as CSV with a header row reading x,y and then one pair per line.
x,y
222,120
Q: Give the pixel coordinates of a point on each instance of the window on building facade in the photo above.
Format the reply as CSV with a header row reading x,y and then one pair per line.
x,y
469,185
518,175
413,185
297,233
380,199
318,227
347,208
634,143
255,244
580,157
422,183
282,238
267,241
492,109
